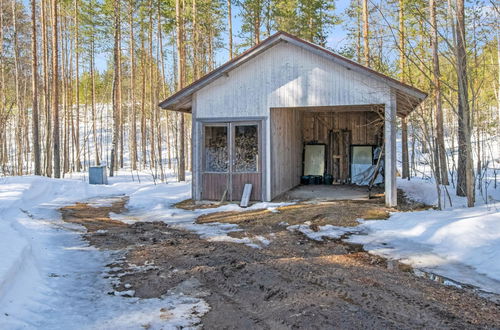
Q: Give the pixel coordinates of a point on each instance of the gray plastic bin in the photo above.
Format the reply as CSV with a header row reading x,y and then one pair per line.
x,y
97,175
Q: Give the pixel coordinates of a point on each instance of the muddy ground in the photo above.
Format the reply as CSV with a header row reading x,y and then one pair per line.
x,y
293,282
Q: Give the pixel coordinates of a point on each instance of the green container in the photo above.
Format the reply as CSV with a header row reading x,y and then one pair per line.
x,y
328,179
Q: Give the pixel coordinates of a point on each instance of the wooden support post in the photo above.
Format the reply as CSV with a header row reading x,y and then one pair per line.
x,y
404,149
390,151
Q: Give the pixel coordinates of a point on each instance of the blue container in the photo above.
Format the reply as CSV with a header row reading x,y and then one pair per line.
x,y
97,175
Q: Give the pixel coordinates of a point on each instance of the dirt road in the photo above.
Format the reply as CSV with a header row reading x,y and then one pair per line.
x,y
293,282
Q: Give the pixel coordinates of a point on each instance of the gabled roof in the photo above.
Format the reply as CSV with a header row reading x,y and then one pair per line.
x,y
408,97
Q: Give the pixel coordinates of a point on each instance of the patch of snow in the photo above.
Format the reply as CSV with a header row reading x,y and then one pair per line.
x,y
156,204
461,244
424,191
126,293
326,231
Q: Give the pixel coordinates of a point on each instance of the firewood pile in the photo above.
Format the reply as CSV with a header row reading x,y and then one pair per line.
x,y
246,152
216,154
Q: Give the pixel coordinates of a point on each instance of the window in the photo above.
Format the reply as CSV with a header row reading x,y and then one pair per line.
x,y
216,149
246,148
362,155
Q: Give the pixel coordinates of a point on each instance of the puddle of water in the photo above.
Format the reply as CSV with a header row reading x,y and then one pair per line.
x,y
440,279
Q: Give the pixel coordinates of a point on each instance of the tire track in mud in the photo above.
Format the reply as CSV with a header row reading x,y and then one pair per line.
x,y
292,283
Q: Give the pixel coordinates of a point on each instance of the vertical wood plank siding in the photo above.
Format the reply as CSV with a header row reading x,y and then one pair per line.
x,y
286,155
286,76
214,185
365,126
240,179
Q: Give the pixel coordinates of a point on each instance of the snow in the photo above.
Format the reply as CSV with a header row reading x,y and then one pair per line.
x,y
460,243
424,191
326,231
155,204
45,262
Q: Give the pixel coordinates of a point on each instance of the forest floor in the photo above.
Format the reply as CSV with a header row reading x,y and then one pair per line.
x,y
287,281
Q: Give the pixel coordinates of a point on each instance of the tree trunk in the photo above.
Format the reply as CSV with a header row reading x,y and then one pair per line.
x,y
19,128
440,146
152,106
180,85
256,24
230,28
55,92
46,91
158,119
77,91
366,34
465,182
93,103
402,66
358,31
34,90
64,93
121,116
3,111
143,101
133,111
116,89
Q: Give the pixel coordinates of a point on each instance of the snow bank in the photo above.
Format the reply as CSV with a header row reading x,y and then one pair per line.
x,y
44,266
456,243
424,191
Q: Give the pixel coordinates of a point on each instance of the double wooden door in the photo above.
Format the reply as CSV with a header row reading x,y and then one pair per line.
x,y
231,158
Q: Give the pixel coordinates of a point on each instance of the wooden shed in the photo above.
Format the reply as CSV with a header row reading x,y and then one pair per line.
x,y
254,117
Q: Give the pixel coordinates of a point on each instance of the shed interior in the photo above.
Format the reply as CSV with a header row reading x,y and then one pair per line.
x,y
346,133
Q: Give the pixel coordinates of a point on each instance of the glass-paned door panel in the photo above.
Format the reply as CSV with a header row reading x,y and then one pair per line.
x,y
246,148
216,157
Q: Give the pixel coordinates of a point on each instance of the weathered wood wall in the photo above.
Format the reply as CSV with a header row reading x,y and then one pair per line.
x,y
365,125
286,155
238,181
286,76
338,130
214,185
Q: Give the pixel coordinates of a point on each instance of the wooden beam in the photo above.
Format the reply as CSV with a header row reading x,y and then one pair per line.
x,y
390,151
